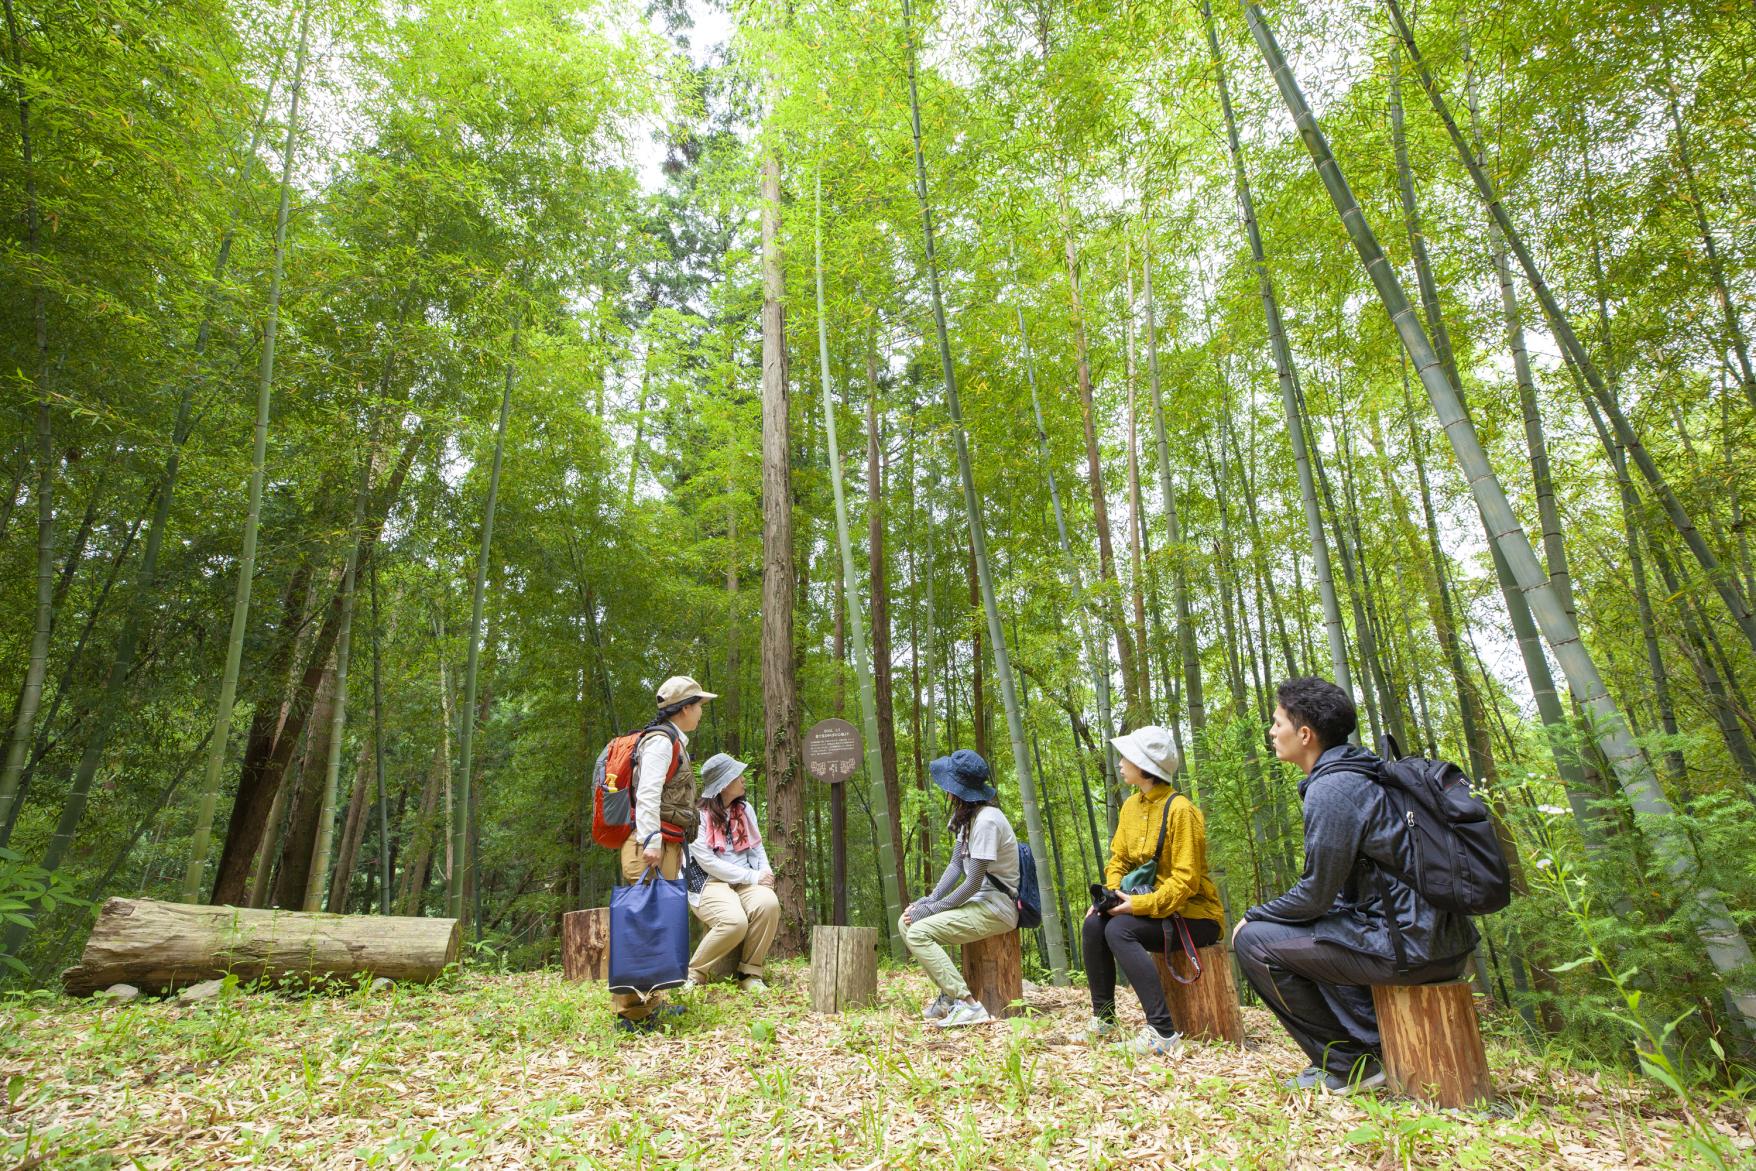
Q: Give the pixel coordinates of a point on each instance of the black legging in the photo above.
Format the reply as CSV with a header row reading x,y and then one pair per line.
x,y
1131,941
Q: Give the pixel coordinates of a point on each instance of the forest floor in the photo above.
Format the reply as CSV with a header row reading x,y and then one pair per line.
x,y
524,1070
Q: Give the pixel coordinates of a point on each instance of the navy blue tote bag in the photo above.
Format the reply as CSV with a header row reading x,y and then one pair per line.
x,y
649,934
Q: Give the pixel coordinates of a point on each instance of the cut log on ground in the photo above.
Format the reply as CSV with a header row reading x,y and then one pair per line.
x,y
994,970
160,946
1433,1043
844,968
585,944
1206,1010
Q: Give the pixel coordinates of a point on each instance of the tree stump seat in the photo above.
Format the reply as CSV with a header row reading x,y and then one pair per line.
x,y
1432,1043
844,968
994,970
1207,1009
585,944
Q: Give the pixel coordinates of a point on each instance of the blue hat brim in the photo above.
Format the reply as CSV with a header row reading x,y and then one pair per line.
x,y
945,775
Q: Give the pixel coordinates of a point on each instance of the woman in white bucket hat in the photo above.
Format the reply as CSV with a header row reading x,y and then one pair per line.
x,y
731,886
1157,874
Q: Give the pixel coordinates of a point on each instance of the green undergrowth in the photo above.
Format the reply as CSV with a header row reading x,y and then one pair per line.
x,y
525,1070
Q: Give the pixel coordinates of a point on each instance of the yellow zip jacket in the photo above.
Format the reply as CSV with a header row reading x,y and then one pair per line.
x,y
1183,886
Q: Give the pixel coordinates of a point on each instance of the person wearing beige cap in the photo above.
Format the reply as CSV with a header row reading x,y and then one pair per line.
x,y
665,815
1156,876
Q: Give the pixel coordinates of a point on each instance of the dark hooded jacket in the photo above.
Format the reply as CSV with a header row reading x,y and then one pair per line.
x,y
1354,844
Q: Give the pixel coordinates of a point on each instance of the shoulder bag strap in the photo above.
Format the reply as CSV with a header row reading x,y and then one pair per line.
x,y
1189,950
1164,824
1181,924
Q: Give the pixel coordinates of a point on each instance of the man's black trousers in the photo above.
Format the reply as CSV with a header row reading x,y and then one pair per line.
x,y
1322,991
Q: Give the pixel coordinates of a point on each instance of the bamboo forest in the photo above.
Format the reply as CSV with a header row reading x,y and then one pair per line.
x,y
399,397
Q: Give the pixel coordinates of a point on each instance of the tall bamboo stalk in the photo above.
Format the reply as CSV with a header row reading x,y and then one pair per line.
x,y
1093,643
879,581
378,753
880,798
317,877
1187,654
1549,707
1725,947
1562,327
1536,665
1284,373
222,727
1136,557
37,668
978,540
462,861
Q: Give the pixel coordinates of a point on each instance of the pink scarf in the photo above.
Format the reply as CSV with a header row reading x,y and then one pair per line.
x,y
744,835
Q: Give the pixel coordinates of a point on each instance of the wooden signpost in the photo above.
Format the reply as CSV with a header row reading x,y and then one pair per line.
x,y
844,960
832,755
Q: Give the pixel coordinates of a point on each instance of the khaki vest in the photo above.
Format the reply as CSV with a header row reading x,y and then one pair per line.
x,y
678,804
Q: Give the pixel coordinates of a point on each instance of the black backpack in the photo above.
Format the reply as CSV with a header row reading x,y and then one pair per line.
x,y
1454,843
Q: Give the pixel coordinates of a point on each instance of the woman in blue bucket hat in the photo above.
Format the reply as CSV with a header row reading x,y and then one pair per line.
x,y
969,902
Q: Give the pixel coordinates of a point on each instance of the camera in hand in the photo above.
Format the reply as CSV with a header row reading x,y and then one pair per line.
x,y
1103,899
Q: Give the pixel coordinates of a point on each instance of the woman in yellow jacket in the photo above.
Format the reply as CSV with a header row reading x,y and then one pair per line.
x,y
1157,870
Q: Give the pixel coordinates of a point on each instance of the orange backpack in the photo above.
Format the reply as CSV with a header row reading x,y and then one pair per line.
x,y
613,781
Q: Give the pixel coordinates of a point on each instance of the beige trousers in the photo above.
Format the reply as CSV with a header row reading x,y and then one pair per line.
x,y
741,923
627,1004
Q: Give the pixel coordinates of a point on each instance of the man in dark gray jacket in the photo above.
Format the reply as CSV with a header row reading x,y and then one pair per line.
x,y
1313,953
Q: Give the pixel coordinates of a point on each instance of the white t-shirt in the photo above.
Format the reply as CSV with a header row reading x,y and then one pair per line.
x,y
991,840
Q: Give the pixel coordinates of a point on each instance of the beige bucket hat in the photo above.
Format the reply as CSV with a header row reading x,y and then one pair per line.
x,y
678,688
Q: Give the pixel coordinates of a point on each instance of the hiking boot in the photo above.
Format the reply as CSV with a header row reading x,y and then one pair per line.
x,y
965,1012
1307,1080
1150,1040
752,984
1099,1029
1368,1075
941,1005
653,1021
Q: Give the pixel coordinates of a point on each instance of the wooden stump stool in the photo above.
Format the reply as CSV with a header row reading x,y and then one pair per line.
x,y
1432,1043
994,970
844,968
585,944
1206,1010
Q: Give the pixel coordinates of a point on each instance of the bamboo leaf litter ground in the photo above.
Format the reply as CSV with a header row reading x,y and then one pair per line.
x,y
524,1070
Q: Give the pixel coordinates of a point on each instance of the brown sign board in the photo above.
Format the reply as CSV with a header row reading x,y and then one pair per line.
x,y
832,750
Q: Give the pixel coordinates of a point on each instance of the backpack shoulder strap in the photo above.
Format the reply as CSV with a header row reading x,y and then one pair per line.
x,y
676,738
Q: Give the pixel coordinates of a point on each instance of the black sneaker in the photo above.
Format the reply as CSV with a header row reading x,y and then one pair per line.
x,y
1368,1075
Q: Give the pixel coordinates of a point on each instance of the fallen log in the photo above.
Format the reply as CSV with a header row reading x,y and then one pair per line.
x,y
159,946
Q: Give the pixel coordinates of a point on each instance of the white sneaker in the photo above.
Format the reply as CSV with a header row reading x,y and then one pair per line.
x,y
752,984
1150,1040
936,1010
1098,1029
966,1012
688,986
